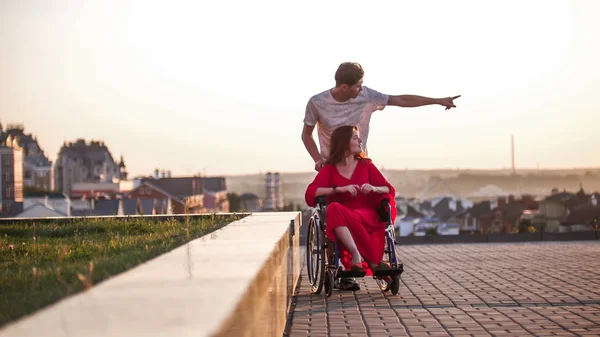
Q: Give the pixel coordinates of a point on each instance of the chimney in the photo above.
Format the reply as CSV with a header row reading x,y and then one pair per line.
x,y
169,206
169,174
68,200
155,173
501,201
163,174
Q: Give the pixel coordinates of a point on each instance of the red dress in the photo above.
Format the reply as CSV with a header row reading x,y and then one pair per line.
x,y
358,213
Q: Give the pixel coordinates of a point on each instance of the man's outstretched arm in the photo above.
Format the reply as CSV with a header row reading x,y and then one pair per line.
x,y
412,101
311,146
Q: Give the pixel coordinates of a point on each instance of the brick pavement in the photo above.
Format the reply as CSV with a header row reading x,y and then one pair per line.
x,y
516,289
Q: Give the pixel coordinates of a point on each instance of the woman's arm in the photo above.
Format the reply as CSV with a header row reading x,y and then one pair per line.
x,y
352,189
382,189
386,189
320,191
319,186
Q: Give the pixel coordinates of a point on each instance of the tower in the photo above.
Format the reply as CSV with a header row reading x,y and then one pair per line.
x,y
122,169
512,152
277,192
269,201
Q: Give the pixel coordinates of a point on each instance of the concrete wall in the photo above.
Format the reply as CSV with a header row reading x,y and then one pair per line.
x,y
236,281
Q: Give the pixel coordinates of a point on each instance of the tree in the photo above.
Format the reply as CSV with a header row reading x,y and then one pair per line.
x,y
431,231
594,226
525,226
235,202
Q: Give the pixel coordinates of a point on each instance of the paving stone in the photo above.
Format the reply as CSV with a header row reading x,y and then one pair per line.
x,y
512,289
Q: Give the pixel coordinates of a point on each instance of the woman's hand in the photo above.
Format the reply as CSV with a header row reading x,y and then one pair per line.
x,y
352,189
368,188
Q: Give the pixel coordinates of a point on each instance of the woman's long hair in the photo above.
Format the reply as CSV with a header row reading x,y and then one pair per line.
x,y
340,145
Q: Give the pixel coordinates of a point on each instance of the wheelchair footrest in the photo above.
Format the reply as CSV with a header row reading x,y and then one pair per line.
x,y
349,273
392,271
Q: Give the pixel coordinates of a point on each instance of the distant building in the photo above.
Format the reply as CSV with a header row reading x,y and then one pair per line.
x,y
179,197
11,173
53,201
470,219
188,194
215,195
38,210
273,200
37,168
130,206
88,190
565,211
82,162
407,218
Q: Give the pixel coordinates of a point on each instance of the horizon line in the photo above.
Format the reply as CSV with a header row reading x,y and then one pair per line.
x,y
508,169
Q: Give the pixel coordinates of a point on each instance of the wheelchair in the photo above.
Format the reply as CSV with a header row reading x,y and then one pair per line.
x,y
324,268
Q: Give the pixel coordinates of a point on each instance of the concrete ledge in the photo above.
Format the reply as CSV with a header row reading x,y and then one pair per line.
x,y
498,237
157,217
236,281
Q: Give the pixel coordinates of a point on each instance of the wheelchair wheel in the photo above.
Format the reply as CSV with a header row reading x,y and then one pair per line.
x,y
390,250
329,281
390,247
395,285
315,255
383,285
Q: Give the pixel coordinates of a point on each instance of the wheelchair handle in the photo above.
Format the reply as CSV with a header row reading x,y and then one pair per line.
x,y
321,200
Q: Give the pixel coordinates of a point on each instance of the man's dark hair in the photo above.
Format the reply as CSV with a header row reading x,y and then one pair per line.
x,y
349,73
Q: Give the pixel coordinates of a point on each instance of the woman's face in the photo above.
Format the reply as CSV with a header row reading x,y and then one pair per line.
x,y
355,143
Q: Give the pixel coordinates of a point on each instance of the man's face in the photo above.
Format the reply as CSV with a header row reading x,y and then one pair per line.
x,y
353,91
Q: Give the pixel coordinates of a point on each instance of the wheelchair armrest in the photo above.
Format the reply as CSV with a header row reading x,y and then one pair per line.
x,y
385,213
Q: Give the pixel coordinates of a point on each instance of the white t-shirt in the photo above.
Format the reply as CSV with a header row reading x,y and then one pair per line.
x,y
328,114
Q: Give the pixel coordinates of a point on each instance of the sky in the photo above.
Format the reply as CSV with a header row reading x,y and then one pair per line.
x,y
220,87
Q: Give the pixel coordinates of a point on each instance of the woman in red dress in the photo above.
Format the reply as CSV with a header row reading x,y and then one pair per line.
x,y
354,188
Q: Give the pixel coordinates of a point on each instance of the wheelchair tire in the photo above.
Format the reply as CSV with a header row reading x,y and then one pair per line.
x,y
315,254
329,281
395,285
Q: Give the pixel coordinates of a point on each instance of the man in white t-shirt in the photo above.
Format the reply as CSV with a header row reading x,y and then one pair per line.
x,y
351,103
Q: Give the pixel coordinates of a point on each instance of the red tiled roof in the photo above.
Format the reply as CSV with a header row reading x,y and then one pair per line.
x,y
180,187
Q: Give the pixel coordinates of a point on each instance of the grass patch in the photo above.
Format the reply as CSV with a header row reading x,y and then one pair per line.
x,y
41,263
